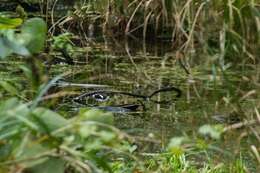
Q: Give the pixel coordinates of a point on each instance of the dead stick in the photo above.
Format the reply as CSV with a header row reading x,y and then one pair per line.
x,y
240,124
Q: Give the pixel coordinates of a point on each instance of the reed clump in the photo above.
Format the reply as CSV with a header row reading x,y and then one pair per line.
x,y
231,26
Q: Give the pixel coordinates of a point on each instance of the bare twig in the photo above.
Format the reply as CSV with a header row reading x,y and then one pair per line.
x,y
132,16
51,153
240,124
256,153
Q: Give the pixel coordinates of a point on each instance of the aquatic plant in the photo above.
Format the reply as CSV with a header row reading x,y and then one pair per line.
x,y
36,136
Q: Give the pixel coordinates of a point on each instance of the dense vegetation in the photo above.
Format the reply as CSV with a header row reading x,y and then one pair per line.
x,y
222,37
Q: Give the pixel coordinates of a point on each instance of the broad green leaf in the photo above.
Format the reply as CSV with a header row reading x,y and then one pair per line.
x,y
7,23
107,136
93,144
48,120
33,150
21,112
86,131
97,115
52,165
34,31
7,105
31,39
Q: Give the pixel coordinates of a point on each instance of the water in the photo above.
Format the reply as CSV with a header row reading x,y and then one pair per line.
x,y
209,95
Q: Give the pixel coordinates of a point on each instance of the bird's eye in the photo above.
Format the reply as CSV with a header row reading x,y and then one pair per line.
x,y
100,97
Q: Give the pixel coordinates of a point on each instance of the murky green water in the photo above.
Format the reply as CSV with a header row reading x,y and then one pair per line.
x,y
140,68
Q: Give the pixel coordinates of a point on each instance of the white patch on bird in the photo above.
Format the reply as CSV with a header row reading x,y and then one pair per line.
x,y
100,97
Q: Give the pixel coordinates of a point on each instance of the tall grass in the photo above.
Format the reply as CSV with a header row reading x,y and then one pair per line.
x,y
232,26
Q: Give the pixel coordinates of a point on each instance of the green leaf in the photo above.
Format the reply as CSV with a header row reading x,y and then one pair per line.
x,y
32,150
107,136
52,165
31,39
34,30
5,151
101,161
7,23
4,50
175,145
10,42
93,145
48,120
13,109
86,131
97,115
7,105
202,144
21,112
26,71
9,88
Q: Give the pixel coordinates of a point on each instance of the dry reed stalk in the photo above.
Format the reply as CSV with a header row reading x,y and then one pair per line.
x,y
256,153
240,124
186,44
132,16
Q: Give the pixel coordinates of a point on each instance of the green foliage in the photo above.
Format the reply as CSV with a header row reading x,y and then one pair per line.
x,y
96,115
34,32
52,165
48,120
9,88
9,43
36,139
186,23
30,137
7,23
175,145
62,41
30,40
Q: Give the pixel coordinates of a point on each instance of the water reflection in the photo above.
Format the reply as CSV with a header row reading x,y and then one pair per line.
x,y
141,68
